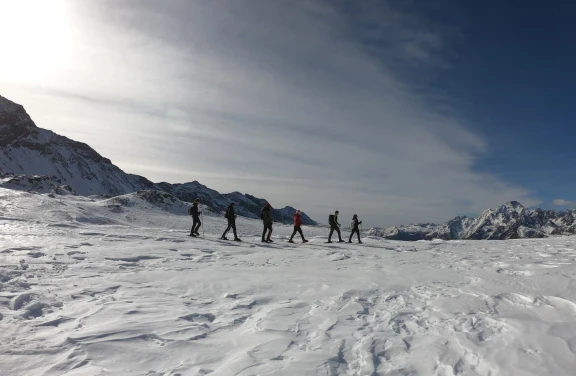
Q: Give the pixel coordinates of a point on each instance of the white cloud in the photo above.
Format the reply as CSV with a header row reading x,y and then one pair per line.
x,y
560,202
278,101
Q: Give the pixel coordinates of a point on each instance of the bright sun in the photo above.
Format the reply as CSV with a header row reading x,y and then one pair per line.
x,y
34,39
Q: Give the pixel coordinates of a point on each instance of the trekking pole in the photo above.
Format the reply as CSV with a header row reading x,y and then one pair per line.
x,y
202,215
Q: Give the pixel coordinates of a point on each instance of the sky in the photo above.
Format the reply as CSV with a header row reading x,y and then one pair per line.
x,y
399,111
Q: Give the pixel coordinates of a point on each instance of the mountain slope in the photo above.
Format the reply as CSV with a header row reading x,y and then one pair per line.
x,y
27,149
509,221
37,159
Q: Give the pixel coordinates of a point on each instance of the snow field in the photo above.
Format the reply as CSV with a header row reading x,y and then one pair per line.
x,y
94,288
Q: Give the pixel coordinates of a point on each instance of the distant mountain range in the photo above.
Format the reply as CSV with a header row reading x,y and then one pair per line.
x,y
37,159
509,221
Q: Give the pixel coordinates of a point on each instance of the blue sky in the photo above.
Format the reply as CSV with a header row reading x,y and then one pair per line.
x,y
513,79
400,111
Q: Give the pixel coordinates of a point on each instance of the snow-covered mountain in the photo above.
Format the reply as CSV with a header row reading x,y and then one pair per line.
x,y
36,159
27,149
509,221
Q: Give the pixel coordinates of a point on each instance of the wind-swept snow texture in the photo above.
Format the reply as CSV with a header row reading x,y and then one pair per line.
x,y
115,287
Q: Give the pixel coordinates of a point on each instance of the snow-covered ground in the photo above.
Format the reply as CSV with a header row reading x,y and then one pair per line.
x,y
116,287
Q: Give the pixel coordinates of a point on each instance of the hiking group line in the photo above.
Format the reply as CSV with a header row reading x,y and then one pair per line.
x,y
268,220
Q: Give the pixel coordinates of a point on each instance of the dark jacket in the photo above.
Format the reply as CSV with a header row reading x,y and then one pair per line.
x,y
267,216
334,220
194,211
230,215
355,223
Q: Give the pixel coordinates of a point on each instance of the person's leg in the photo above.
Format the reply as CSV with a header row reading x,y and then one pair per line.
x,y
339,234
264,233
358,233
233,225
193,227
227,229
331,232
293,233
198,226
269,233
301,233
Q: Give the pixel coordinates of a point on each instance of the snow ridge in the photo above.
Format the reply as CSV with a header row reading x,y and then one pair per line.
x,y
509,221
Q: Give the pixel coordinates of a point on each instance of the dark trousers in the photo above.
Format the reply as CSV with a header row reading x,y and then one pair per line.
x,y
332,229
299,230
195,225
231,226
269,229
357,231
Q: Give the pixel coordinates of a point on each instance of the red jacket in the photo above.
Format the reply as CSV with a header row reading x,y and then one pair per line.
x,y
297,220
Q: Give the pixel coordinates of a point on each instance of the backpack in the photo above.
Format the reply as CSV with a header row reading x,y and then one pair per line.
x,y
190,210
331,219
262,214
227,215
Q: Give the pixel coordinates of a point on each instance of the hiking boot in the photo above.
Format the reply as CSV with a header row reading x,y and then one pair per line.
x,y
290,241
237,240
304,241
359,242
197,233
340,241
329,241
224,238
349,241
192,235
270,241
264,241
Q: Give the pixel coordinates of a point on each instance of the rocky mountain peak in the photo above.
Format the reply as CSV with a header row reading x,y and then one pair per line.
x,y
509,221
15,123
512,206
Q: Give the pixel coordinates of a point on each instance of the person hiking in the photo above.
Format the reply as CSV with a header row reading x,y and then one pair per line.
x,y
334,226
267,219
297,227
355,228
231,217
193,211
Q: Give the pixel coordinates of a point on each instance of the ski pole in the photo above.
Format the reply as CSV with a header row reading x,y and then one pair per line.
x,y
202,215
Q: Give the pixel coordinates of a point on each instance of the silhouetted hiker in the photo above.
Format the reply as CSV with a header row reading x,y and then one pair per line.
x,y
193,211
355,228
297,227
267,219
231,217
334,226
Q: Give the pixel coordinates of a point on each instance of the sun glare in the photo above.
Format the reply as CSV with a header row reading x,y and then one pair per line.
x,y
35,38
